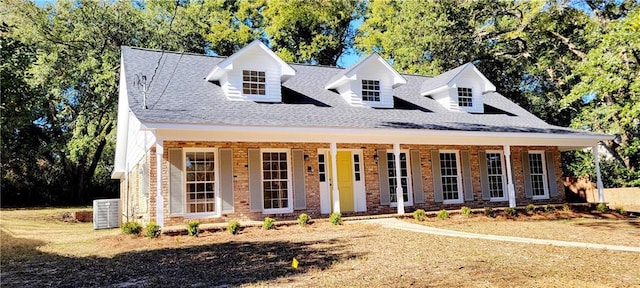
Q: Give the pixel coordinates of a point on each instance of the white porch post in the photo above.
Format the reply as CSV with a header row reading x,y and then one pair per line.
x,y
399,190
159,199
511,188
334,178
599,184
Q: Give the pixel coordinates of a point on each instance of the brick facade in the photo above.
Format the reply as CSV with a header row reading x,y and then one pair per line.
x,y
312,184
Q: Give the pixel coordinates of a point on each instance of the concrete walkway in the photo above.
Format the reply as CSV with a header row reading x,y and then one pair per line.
x,y
394,223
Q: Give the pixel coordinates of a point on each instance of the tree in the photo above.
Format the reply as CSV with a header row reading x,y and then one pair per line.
x,y
75,69
316,32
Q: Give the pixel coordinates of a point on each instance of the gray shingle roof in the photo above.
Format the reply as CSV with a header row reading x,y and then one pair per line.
x,y
180,94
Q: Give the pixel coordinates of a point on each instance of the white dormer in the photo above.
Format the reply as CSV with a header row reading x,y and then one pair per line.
x,y
368,83
459,89
254,73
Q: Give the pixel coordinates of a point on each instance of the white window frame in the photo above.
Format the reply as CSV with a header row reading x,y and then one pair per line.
x,y
545,184
253,82
217,197
459,179
289,208
504,177
373,83
470,97
409,183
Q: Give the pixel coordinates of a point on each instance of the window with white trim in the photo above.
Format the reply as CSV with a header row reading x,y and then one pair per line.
x,y
538,175
356,167
371,90
253,82
276,181
495,175
393,179
322,168
450,176
200,181
465,97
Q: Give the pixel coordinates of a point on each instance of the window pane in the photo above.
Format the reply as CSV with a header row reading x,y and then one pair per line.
x,y
275,187
200,184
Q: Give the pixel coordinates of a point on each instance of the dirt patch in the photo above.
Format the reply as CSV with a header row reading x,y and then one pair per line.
x,y
348,255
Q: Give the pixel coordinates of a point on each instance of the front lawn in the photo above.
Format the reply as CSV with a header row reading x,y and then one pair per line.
x,y
72,254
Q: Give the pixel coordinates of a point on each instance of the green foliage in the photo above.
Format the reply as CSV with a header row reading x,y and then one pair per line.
x,y
566,207
530,208
269,223
303,219
233,227
153,230
601,207
311,31
193,228
511,212
488,211
620,210
419,214
131,228
335,218
465,211
549,208
442,214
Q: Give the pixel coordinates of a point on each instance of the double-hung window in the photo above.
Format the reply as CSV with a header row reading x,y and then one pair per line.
x,y
496,176
253,82
200,167
538,175
371,90
465,97
276,181
403,178
451,178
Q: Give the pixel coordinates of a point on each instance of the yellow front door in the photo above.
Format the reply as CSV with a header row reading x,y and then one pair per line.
x,y
345,180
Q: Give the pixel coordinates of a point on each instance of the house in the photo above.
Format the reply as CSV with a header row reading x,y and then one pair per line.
x,y
249,136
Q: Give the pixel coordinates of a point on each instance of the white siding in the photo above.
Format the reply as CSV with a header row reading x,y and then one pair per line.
x,y
139,142
470,79
373,70
231,83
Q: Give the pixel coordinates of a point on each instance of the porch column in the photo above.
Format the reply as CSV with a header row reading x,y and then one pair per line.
x,y
511,188
599,184
334,178
399,190
159,199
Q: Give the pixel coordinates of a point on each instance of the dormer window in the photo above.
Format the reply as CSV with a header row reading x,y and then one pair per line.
x,y
371,90
465,97
253,82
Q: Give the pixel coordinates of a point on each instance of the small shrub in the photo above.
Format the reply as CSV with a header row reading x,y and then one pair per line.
x,y
131,227
153,230
269,223
303,219
335,218
419,214
511,212
530,208
233,227
442,214
566,208
465,211
549,208
602,207
192,228
621,210
488,211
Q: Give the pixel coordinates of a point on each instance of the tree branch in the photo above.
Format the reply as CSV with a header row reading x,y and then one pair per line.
x,y
572,47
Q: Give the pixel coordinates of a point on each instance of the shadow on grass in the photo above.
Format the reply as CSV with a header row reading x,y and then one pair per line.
x,y
232,263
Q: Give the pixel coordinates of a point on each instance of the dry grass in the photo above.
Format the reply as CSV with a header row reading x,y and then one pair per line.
x,y
349,255
566,226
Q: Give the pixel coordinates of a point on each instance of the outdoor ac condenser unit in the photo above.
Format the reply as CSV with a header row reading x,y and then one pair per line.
x,y
106,213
